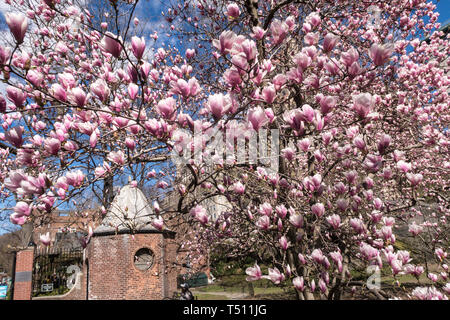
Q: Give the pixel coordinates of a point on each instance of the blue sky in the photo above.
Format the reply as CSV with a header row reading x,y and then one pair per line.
x,y
443,7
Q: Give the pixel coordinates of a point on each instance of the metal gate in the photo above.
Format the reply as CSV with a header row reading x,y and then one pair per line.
x,y
54,270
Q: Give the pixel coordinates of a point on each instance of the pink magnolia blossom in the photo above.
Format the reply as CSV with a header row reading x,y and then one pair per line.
x,y
279,30
100,89
257,118
299,283
18,219
118,157
233,10
357,225
414,270
334,220
75,178
440,253
363,104
269,94
403,256
433,277
284,244
258,33
304,144
383,143
313,285
138,47
18,25
350,57
5,54
78,96
166,108
52,145
288,154
120,122
403,166
35,77
130,143
380,54
190,53
199,213
415,229
302,60
158,223
253,273
428,293
239,188
263,223
45,239
22,208
327,104
266,209
307,113
111,44
15,136
329,42
218,105
249,49
233,77
296,220
322,286
59,92
16,96
281,211
318,209
358,141
225,41
446,288
275,276
317,256
314,19
133,91
162,184
414,179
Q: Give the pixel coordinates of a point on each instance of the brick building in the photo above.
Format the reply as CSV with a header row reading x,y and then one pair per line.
x,y
128,258
125,258
67,229
23,274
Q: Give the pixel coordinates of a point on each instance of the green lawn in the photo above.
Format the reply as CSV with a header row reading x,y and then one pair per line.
x,y
237,285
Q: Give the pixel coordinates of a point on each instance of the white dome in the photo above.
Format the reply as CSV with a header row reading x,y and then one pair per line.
x,y
129,210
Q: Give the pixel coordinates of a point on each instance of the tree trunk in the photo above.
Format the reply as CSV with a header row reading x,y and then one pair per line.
x,y
251,290
108,191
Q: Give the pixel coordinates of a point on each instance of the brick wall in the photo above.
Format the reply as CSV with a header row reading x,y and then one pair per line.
x,y
23,274
172,265
113,275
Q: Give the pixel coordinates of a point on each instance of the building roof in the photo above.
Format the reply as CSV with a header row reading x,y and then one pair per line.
x,y
129,212
445,28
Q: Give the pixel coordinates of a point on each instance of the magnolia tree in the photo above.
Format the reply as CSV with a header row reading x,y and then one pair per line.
x,y
357,105
86,103
317,130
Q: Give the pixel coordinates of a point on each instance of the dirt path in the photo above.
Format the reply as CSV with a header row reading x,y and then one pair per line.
x,y
229,295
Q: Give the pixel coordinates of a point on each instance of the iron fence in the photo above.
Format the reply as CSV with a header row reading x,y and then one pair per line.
x,y
54,270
